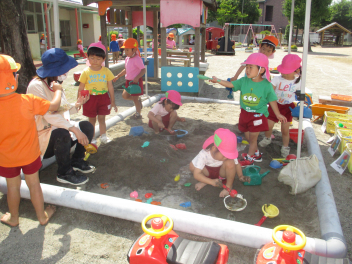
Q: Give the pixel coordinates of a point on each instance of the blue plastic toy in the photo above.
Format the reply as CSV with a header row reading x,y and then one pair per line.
x,y
137,131
307,112
239,139
186,204
275,164
145,144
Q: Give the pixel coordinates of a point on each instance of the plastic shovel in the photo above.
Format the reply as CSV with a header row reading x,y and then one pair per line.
x,y
199,76
171,132
232,193
270,211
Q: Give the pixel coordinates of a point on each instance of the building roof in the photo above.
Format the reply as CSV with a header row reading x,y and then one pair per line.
x,y
334,25
181,31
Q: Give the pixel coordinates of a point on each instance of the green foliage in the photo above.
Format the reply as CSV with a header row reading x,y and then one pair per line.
x,y
265,32
134,33
319,11
287,32
341,13
175,26
293,47
230,11
112,32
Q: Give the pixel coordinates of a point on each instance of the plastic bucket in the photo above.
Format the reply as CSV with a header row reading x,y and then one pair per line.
x,y
294,135
346,137
159,51
349,149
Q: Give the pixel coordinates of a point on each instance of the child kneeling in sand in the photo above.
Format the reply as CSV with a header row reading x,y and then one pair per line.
x,y
163,114
217,164
19,145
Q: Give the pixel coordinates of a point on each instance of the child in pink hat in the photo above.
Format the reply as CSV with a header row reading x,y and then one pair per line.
x,y
256,93
163,114
285,87
217,164
97,79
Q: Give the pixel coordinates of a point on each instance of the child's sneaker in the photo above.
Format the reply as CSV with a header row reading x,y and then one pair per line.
x,y
257,157
264,142
285,151
82,166
104,139
247,161
94,141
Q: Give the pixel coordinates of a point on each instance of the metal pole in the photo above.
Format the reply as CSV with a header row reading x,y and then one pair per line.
x,y
145,45
56,24
241,21
291,26
304,73
80,24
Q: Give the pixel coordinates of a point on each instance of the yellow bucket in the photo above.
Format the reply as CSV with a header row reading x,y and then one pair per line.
x,y
349,149
330,117
346,137
346,125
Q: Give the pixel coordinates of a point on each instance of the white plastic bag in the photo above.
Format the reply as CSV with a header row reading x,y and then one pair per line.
x,y
301,174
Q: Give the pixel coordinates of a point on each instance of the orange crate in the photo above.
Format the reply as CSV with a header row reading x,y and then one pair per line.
x,y
341,97
319,109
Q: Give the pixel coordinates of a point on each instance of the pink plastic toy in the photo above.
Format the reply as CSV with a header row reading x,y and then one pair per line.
x,y
134,194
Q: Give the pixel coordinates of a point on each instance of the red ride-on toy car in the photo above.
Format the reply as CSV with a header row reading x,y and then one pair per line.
x,y
287,252
161,245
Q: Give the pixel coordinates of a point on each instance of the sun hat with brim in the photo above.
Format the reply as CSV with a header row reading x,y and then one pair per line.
x,y
97,45
120,35
290,63
173,96
270,40
7,67
225,141
260,60
130,43
171,35
55,63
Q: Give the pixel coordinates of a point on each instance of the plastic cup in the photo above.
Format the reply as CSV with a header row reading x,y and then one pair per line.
x,y
84,93
190,49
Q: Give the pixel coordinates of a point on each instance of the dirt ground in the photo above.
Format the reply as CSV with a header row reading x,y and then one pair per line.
x,y
74,236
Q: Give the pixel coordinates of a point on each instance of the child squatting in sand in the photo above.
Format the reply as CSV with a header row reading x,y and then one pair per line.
x,y
19,144
163,114
217,164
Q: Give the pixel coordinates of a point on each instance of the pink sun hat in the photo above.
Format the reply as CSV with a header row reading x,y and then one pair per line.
x,y
96,45
225,141
289,64
261,60
173,96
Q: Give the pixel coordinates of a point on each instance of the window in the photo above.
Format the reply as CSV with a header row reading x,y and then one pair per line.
x,y
30,22
34,18
269,13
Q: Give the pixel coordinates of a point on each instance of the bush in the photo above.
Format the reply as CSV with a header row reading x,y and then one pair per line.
x,y
265,32
293,47
134,32
250,48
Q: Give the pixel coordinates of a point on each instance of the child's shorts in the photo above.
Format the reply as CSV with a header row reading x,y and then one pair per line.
x,y
284,110
27,169
115,55
252,122
140,83
97,105
164,119
214,173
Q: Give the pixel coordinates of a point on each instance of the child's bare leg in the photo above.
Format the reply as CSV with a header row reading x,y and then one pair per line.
x,y
173,119
13,201
271,124
228,171
155,124
137,104
92,120
37,199
246,135
199,185
285,128
253,138
102,124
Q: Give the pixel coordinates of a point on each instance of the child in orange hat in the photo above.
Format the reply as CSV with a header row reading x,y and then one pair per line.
x,y
170,43
267,47
19,146
114,48
42,44
134,70
80,48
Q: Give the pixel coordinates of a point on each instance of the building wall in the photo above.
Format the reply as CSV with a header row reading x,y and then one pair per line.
x,y
278,19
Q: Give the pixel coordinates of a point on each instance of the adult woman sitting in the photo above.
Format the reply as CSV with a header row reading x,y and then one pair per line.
x,y
57,134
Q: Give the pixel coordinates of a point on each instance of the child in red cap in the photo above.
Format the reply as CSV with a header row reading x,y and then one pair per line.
x,y
285,87
256,93
267,47
134,70
217,164
97,79
80,48
19,146
164,114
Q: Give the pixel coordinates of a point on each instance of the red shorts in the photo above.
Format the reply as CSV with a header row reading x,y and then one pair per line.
x,y
27,169
97,105
284,110
140,83
214,173
164,119
252,122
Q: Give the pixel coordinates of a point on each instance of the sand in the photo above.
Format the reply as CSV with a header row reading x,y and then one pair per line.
x,y
81,237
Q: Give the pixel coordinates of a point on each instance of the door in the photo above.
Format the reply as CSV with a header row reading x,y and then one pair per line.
x,y
65,33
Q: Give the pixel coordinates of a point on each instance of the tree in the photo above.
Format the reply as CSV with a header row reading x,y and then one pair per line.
x,y
341,13
14,35
320,10
230,11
